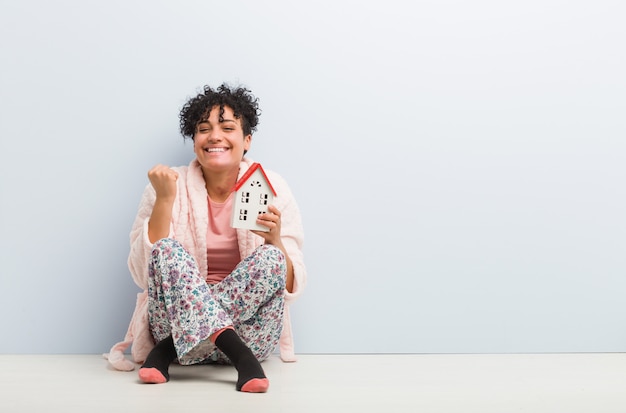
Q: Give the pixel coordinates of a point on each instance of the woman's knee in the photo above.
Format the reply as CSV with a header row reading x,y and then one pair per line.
x,y
270,252
272,258
165,244
169,257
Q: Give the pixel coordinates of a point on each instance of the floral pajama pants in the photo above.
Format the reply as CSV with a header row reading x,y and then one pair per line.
x,y
183,304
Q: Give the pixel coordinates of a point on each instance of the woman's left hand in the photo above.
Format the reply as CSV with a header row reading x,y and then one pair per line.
x,y
271,220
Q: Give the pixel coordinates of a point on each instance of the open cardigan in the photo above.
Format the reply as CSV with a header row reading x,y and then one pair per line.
x,y
189,224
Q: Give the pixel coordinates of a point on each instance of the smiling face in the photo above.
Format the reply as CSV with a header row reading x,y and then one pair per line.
x,y
219,144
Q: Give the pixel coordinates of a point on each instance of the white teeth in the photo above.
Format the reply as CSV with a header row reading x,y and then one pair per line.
x,y
216,149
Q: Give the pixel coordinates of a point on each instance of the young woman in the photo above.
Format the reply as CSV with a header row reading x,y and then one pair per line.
x,y
212,293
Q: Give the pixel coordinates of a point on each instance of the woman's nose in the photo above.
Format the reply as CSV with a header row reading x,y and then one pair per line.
x,y
214,136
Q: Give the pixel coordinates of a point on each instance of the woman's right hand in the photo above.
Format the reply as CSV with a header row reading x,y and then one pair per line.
x,y
163,180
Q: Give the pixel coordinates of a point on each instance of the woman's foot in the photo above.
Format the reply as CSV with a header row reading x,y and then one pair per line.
x,y
152,375
155,370
251,376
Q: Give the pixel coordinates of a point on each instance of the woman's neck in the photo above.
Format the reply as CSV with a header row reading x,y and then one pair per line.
x,y
220,185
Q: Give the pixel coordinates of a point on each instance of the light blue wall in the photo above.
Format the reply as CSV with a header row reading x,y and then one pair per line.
x,y
460,165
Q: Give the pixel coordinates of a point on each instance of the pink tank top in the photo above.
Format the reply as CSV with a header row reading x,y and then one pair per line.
x,y
222,247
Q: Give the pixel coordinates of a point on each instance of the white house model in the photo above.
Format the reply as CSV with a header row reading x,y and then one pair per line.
x,y
253,194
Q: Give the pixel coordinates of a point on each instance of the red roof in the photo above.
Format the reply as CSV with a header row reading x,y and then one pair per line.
x,y
249,173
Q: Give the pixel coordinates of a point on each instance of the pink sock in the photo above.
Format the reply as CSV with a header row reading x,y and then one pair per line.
x,y
256,386
151,375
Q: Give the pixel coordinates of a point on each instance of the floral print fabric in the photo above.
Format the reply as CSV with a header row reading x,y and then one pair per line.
x,y
181,303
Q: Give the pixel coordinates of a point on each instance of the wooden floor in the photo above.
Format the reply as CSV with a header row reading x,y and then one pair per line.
x,y
556,383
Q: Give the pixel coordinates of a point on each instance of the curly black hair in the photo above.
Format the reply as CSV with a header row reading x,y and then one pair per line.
x,y
244,104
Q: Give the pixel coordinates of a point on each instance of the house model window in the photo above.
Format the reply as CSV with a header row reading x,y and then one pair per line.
x,y
253,194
